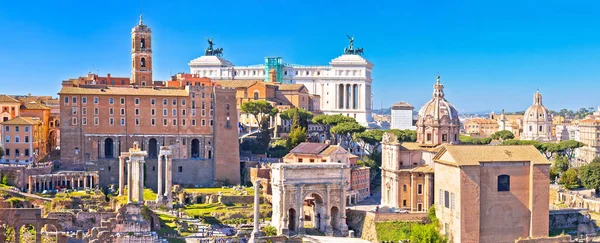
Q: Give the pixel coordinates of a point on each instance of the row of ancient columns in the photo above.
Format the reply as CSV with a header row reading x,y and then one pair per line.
x,y
165,176
349,96
135,174
39,183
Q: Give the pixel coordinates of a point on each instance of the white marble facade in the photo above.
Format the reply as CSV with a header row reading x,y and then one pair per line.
x,y
344,86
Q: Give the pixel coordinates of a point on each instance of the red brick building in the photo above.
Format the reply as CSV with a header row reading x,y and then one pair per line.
x,y
198,119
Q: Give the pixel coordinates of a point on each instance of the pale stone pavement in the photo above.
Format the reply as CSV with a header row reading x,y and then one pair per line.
x,y
329,239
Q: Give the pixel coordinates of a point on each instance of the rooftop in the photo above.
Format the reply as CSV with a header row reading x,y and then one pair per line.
x,y
465,155
309,148
8,99
22,120
115,90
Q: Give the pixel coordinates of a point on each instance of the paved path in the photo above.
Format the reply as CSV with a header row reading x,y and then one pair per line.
x,y
368,204
26,194
330,239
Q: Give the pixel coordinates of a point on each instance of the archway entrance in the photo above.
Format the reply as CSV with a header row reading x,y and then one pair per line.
x,y
335,221
153,148
27,233
195,148
313,208
108,148
292,219
49,233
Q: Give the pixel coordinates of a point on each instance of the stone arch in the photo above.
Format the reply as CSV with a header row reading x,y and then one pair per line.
x,y
8,233
153,148
195,148
49,233
108,148
28,233
316,202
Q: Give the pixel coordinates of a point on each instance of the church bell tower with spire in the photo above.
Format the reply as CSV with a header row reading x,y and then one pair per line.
x,y
141,54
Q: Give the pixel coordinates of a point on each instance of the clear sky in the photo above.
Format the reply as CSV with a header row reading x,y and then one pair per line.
x,y
490,54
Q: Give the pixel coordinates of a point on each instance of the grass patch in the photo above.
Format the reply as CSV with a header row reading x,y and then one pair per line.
x,y
149,195
393,231
216,190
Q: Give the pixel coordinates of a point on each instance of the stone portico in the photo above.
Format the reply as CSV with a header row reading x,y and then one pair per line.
x,y
63,179
135,174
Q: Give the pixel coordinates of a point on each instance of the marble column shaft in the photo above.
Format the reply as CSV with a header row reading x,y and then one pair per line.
x,y
141,181
159,194
122,175
129,181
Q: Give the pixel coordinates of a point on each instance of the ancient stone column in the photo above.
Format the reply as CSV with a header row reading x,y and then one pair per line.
x,y
38,234
301,202
122,175
256,231
72,182
141,180
169,182
159,194
30,181
129,181
85,181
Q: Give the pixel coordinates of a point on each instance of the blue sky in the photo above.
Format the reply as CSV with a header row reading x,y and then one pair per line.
x,y
490,54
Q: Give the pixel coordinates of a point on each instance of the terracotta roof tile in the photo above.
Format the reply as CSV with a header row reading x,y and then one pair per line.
x,y
22,121
309,148
477,154
291,87
35,106
237,83
8,99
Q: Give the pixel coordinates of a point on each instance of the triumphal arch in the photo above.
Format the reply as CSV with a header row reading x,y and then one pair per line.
x,y
310,195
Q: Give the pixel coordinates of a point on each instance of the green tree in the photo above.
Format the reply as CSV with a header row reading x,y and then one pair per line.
x,y
596,160
404,135
369,140
261,110
503,135
4,179
561,164
569,179
553,174
269,230
303,115
590,176
569,146
1,152
551,149
476,141
297,135
329,121
346,130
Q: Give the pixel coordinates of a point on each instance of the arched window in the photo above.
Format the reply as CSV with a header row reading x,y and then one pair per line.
x,y
143,62
503,183
256,95
530,128
143,43
541,128
404,188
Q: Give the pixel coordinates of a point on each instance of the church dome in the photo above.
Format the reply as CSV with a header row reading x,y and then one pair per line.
x,y
438,107
437,121
537,112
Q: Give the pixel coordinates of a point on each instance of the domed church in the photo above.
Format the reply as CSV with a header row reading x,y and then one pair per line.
x,y
437,121
537,121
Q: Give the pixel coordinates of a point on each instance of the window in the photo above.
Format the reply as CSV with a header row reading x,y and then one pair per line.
x,y
96,120
137,101
530,128
164,122
17,140
164,101
404,203
137,121
122,121
84,121
193,112
26,152
7,128
503,183
203,122
419,189
111,111
174,111
7,152
211,122
83,110
180,168
404,188
429,137
66,100
111,121
122,111
174,122
7,139
446,199
74,110
96,111
193,122
122,101
153,102
183,102
153,122
152,112
27,139
540,128
84,100
183,112
444,137
255,95
137,111
74,120
95,100
183,122
164,112
174,101
111,100
74,100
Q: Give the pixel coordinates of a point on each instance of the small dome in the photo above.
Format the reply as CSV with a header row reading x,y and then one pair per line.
x,y
438,107
537,112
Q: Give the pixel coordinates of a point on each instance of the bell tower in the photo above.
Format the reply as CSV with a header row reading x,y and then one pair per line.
x,y
141,54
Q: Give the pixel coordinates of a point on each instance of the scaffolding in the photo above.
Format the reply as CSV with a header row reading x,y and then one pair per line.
x,y
273,63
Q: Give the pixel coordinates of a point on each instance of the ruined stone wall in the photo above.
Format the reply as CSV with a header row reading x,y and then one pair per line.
x,y
229,200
